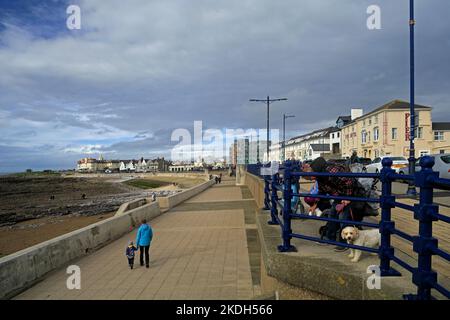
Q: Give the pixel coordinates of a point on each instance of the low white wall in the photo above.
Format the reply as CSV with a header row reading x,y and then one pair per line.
x,y
22,269
173,200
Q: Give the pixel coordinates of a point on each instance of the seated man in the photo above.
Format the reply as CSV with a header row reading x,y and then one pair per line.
x,y
334,186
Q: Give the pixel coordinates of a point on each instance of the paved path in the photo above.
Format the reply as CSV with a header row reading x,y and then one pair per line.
x,y
200,251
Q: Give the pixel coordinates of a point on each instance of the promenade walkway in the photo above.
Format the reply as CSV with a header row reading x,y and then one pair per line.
x,y
205,248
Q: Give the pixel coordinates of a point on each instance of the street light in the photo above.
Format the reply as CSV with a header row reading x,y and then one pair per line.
x,y
412,161
283,157
268,101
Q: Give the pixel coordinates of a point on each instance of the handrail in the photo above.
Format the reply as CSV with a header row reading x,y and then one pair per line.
x,y
425,211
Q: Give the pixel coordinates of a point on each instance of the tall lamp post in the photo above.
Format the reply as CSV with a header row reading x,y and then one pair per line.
x,y
283,156
268,101
412,160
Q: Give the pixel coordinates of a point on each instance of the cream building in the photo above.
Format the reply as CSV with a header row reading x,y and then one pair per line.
x,y
385,132
441,137
94,165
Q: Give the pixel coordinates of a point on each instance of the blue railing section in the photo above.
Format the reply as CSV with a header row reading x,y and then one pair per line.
x,y
425,212
254,169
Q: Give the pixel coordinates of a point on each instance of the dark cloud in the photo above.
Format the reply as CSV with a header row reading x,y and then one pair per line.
x,y
140,69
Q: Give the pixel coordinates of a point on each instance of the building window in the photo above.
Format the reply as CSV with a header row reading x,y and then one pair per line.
x,y
441,151
377,153
418,133
439,136
376,119
375,134
370,122
338,134
332,136
394,133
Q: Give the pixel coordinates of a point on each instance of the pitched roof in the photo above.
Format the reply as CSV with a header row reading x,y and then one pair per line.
x,y
392,105
344,118
335,129
315,133
441,126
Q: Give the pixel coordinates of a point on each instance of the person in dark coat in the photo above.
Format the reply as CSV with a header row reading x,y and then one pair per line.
x,y
129,252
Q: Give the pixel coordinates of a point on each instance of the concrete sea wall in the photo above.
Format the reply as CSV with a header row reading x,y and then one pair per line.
x,y
173,200
22,269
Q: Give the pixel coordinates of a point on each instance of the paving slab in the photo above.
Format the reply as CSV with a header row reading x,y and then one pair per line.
x,y
195,254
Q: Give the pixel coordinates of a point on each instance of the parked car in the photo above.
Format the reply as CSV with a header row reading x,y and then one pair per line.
x,y
441,165
365,161
398,164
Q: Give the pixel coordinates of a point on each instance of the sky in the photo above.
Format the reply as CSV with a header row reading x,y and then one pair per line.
x,y
138,70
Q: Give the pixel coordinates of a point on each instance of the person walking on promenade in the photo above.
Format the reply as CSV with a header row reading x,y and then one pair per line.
x,y
143,240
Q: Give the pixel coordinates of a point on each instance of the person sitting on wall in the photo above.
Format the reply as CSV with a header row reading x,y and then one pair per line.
x,y
334,186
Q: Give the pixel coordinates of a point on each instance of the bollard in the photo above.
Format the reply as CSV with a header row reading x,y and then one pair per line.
x,y
387,200
287,196
274,199
423,276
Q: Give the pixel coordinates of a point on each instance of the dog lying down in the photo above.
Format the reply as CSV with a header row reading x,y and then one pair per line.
x,y
365,238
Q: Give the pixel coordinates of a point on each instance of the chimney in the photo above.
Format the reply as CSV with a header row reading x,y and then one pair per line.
x,y
356,113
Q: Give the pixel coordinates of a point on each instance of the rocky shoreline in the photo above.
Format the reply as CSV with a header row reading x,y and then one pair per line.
x,y
25,199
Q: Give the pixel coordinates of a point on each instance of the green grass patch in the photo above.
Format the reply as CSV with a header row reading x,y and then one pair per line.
x,y
35,174
145,184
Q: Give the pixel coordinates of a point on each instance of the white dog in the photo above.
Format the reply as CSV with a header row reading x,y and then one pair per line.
x,y
366,238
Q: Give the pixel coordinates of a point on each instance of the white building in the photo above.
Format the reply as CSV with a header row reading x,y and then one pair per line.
x,y
305,147
127,166
146,165
181,167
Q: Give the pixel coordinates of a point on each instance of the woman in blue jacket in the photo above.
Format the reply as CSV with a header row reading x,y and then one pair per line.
x,y
143,240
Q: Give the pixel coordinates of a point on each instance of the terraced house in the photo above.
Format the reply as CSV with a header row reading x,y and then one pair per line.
x,y
385,132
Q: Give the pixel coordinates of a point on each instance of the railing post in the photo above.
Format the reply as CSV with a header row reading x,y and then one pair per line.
x,y
424,277
287,196
387,200
266,193
274,199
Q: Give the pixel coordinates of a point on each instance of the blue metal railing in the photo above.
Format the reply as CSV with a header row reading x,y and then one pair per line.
x,y
424,244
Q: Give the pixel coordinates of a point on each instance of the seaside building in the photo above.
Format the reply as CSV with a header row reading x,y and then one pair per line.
x,y
385,132
102,165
